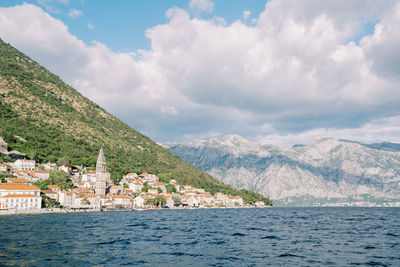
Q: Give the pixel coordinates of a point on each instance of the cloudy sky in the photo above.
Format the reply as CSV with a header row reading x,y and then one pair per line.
x,y
280,72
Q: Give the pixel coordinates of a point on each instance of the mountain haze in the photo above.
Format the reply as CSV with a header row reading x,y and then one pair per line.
x,y
324,171
46,119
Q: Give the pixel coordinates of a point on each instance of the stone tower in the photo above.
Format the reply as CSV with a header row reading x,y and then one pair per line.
x,y
101,174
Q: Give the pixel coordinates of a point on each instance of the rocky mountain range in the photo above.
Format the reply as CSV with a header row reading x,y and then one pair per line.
x,y
322,172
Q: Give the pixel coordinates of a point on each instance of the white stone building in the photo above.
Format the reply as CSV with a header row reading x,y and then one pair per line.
x,y
236,201
116,190
148,177
66,198
89,176
139,202
90,201
39,175
135,186
21,202
51,194
16,188
66,169
50,166
24,164
19,196
122,201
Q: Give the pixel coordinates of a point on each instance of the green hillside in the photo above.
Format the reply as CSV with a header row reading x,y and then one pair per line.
x,y
56,121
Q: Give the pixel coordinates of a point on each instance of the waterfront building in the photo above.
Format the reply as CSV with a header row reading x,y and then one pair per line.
x,y
19,196
237,200
21,202
18,188
90,201
66,198
51,194
259,204
122,201
139,202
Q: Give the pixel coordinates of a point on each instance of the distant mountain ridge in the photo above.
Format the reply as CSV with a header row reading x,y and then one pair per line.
x,y
323,171
384,146
57,121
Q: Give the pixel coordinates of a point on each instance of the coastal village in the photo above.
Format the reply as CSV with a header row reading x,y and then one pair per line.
x,y
94,190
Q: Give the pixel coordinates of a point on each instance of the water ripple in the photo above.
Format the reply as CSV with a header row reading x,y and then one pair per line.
x,y
228,237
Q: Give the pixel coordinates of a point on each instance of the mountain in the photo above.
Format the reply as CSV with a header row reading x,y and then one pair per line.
x,y
46,119
324,171
385,146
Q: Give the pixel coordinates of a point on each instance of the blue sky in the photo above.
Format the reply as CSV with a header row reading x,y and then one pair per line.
x,y
121,25
276,72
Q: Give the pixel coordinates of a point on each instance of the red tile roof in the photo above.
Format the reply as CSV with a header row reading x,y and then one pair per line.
x,y
17,180
18,195
17,186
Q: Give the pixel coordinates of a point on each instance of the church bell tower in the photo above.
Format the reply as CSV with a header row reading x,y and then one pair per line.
x,y
101,174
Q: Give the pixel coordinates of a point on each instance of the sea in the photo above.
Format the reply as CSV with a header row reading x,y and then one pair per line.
x,y
283,236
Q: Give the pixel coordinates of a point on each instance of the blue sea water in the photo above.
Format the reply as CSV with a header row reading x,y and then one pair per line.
x,y
215,237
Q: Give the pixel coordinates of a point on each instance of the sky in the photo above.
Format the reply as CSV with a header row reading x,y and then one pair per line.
x,y
274,72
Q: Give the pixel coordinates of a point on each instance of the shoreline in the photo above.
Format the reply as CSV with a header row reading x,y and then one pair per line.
x,y
32,212
3,213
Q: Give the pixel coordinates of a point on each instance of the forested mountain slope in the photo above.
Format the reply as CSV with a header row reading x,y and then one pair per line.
x,y
56,121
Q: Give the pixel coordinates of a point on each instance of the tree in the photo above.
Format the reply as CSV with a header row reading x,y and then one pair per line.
x,y
170,188
57,177
85,202
177,200
48,202
146,187
63,161
158,201
159,190
60,178
125,185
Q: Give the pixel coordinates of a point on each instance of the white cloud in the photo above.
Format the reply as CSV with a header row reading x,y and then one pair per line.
x,y
169,110
246,14
201,5
74,13
386,129
292,76
90,26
